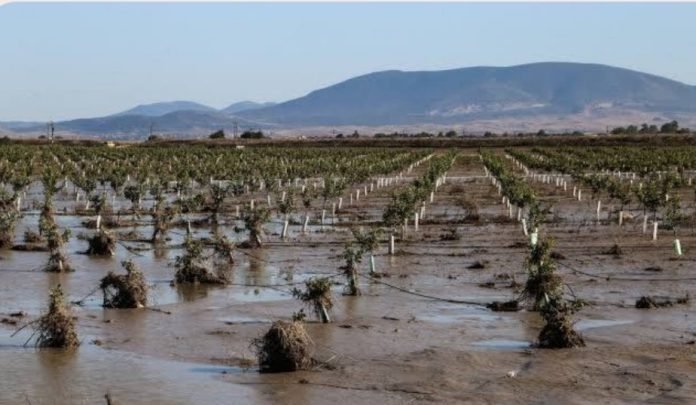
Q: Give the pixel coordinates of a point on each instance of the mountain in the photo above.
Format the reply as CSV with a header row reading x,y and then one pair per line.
x,y
159,109
185,122
550,95
245,106
462,95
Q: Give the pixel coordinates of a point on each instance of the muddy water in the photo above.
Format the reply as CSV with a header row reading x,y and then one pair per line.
x,y
86,375
386,346
130,353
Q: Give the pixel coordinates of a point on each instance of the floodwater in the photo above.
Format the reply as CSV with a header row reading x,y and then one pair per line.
x,y
386,346
84,376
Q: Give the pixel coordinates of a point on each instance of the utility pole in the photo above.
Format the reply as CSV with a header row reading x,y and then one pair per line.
x,y
235,129
50,131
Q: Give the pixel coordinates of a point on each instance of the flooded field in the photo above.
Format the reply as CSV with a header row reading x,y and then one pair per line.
x,y
419,332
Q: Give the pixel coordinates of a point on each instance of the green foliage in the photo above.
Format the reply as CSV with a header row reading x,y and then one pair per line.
x,y
9,216
249,134
217,135
650,196
404,203
536,214
317,297
218,193
367,241
253,222
287,206
543,284
513,187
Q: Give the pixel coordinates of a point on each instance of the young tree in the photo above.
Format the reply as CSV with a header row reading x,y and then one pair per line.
x,y
253,223
317,296
9,216
218,193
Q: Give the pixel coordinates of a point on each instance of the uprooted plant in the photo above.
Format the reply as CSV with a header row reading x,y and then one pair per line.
x,y
317,297
124,290
285,347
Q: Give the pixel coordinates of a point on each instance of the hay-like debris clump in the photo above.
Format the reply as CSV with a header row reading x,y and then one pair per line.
x,y
285,347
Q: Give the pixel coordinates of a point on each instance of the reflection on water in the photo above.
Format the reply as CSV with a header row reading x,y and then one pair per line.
x,y
503,344
599,323
87,374
191,292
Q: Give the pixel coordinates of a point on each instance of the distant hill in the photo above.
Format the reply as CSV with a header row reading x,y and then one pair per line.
x,y
551,95
460,95
185,122
245,106
159,109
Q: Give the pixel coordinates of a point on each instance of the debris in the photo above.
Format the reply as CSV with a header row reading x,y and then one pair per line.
x,y
124,290
285,347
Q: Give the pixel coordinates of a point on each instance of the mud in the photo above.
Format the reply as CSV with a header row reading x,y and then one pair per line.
x,y
386,346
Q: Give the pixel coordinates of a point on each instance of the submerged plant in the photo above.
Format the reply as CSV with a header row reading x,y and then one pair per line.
x,y
558,332
543,284
317,297
56,328
545,288
57,261
162,217
191,266
223,250
9,216
254,218
102,243
352,255
124,290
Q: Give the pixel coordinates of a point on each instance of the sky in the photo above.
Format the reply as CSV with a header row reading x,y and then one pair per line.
x,y
74,60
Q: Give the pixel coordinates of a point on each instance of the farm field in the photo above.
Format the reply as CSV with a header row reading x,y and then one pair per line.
x,y
229,241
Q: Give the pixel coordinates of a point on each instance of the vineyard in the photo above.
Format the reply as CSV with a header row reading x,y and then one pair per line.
x,y
380,274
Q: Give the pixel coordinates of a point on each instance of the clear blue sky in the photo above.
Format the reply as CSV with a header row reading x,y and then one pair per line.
x,y
61,61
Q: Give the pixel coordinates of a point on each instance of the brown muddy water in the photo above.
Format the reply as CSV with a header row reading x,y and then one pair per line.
x,y
387,346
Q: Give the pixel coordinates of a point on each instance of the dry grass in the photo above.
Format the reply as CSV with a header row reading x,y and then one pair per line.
x,y
285,347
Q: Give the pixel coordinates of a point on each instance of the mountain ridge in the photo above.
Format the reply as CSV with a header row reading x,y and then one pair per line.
x,y
407,97
165,107
548,94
